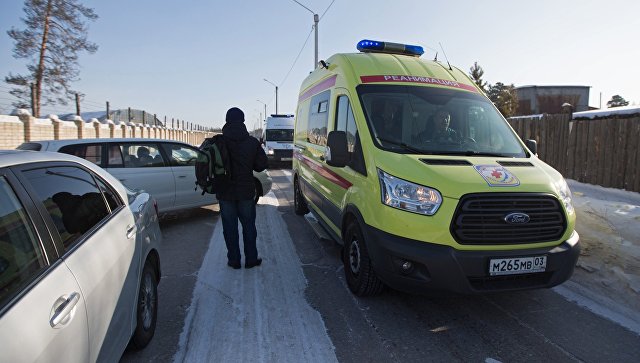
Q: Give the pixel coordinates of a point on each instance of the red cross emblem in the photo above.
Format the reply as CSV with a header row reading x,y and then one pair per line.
x,y
496,174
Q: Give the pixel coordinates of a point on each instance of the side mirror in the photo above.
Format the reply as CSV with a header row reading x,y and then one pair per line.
x,y
532,145
337,153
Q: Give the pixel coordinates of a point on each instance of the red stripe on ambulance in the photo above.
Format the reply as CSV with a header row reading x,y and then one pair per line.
x,y
324,172
325,84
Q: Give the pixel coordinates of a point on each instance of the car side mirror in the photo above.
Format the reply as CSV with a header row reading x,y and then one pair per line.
x,y
337,153
532,145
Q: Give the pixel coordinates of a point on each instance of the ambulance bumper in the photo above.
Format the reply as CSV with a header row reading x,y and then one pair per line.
x,y
442,268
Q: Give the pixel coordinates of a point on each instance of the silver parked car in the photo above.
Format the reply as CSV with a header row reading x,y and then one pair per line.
x,y
164,168
79,261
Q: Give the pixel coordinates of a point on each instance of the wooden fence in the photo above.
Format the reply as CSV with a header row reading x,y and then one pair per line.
x,y
599,151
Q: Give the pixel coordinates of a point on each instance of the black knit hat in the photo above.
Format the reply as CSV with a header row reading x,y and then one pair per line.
x,y
235,114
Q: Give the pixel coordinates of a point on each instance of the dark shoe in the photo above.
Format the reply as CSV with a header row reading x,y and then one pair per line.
x,y
234,265
257,262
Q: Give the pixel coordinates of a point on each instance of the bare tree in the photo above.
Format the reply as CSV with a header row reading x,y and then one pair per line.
x,y
55,33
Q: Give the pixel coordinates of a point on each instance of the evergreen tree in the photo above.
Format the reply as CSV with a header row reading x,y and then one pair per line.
x,y
476,72
55,33
504,97
617,101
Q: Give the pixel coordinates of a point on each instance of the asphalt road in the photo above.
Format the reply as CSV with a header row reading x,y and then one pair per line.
x,y
538,325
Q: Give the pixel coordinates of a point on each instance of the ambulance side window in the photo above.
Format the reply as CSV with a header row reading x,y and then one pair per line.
x,y
347,123
319,119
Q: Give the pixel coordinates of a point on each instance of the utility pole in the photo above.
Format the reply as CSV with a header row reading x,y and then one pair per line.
x,y
77,104
265,109
268,81
316,20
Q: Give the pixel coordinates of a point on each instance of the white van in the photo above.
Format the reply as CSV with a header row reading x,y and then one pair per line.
x,y
277,138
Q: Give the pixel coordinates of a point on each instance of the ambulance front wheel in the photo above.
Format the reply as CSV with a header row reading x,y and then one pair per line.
x,y
299,204
361,278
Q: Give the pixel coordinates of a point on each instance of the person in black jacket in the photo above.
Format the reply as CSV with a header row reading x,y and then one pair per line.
x,y
237,201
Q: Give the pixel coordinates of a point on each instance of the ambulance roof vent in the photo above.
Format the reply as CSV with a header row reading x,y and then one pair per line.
x,y
374,46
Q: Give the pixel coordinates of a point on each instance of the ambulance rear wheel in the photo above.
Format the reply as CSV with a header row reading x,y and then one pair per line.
x,y
361,278
299,204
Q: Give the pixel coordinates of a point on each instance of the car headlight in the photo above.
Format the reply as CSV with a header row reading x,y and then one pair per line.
x,y
405,195
565,195
270,151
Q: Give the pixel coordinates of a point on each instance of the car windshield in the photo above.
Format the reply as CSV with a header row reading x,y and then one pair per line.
x,y
279,135
428,120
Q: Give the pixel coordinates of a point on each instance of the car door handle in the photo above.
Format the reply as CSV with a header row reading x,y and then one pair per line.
x,y
122,180
62,311
131,230
182,176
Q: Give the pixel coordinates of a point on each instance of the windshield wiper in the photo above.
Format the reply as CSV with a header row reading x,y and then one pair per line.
x,y
404,145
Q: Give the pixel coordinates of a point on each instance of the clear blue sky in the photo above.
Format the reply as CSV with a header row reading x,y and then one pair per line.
x,y
193,59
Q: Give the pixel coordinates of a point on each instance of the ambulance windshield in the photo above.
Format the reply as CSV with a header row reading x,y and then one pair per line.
x,y
279,135
429,120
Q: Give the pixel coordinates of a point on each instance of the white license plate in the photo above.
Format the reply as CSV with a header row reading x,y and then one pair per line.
x,y
518,265
285,159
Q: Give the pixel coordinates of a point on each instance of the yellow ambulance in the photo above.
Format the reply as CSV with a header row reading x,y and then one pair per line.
x,y
411,167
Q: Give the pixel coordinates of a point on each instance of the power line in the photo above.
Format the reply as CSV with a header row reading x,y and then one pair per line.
x,y
297,57
327,9
306,40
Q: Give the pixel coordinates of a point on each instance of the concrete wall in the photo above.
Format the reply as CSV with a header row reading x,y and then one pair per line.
x,y
14,130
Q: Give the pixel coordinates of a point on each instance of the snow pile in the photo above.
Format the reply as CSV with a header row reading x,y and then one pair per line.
x,y
623,110
608,221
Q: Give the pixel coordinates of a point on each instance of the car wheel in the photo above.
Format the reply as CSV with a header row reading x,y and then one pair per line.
x,y
258,186
299,204
361,278
147,308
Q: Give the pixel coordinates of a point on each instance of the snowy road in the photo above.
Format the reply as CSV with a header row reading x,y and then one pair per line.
x,y
296,307
256,315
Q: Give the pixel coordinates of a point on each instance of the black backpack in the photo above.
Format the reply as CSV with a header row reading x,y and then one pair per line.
x,y
213,166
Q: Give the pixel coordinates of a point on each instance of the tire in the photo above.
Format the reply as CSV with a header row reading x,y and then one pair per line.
x,y
258,190
361,278
147,308
299,204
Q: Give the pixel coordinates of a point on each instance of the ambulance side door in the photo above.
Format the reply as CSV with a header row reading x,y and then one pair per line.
x,y
343,178
313,169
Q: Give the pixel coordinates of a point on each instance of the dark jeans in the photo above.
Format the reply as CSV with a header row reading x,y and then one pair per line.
x,y
245,211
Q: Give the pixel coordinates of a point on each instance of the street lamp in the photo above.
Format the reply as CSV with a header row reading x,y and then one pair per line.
x,y
265,109
268,81
316,19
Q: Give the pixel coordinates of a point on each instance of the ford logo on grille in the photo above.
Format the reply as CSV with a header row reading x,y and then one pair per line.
x,y
517,218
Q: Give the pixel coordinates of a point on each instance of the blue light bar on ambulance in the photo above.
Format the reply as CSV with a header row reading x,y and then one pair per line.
x,y
388,47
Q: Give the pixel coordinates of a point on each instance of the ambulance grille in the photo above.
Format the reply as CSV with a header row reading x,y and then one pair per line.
x,y
480,219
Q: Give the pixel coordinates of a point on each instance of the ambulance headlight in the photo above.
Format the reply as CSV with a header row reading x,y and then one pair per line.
x,y
270,151
405,195
565,195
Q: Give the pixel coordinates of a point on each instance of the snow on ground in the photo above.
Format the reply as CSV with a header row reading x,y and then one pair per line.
x,y
261,314
258,314
608,270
